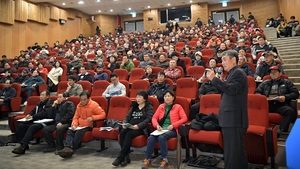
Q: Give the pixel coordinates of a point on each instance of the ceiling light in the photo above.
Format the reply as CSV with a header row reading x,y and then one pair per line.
x,y
169,4
80,2
148,7
97,0
129,8
111,10
191,1
99,11
63,3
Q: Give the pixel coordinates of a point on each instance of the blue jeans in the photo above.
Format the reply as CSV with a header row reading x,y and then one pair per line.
x,y
29,90
162,140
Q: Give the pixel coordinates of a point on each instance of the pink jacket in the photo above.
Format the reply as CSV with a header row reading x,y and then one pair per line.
x,y
92,109
177,115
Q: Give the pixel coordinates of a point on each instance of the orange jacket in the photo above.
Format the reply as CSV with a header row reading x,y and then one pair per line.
x,y
177,115
92,109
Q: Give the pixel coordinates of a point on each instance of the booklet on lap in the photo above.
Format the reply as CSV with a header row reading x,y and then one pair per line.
x,y
157,133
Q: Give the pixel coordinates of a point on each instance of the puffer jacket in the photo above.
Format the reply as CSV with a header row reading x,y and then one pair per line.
x,y
285,88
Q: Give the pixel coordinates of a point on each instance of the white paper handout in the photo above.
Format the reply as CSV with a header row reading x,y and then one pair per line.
x,y
43,121
78,128
157,133
24,119
106,128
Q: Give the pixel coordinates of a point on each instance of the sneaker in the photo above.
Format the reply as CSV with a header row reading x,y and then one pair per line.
x,y
19,150
164,165
146,164
126,161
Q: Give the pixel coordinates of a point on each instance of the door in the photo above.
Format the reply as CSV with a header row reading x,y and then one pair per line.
x,y
140,26
130,27
219,17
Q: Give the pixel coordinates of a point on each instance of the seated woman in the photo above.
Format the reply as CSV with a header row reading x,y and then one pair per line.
x,y
149,75
54,74
168,116
137,118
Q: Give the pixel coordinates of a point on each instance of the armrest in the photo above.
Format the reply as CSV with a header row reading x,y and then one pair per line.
x,y
294,105
184,129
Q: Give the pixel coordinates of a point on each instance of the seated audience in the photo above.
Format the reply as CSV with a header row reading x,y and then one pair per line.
x,y
64,111
162,62
279,92
73,88
138,118
147,61
54,74
22,76
7,68
127,64
7,76
31,85
84,75
26,130
87,112
113,64
74,65
6,94
172,72
168,116
282,29
244,66
100,74
149,75
179,62
116,88
158,89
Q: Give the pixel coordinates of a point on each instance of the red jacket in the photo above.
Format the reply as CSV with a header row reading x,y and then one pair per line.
x,y
92,109
177,115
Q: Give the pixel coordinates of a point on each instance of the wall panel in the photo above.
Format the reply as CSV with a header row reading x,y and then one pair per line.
x,y
7,11
63,14
107,24
33,12
44,14
289,8
54,13
21,10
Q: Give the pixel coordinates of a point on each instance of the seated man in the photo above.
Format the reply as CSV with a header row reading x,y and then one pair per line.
x,y
147,61
127,64
6,68
206,88
116,88
7,76
243,65
6,94
74,65
64,112
100,74
22,77
87,112
263,69
159,88
280,92
73,88
84,75
26,130
31,84
162,62
172,72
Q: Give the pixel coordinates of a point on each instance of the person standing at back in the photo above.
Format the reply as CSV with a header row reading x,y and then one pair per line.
x,y
233,114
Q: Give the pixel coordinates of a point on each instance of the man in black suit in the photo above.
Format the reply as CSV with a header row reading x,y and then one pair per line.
x,y
233,115
64,111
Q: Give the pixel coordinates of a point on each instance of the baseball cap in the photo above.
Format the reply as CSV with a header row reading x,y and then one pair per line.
x,y
198,53
275,67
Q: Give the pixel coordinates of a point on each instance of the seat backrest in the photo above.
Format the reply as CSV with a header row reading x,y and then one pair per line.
x,y
90,56
138,85
18,88
208,53
157,69
86,85
182,71
258,110
251,84
187,87
195,71
136,63
187,61
31,103
135,74
101,101
99,87
122,74
210,103
48,67
184,102
118,107
75,100
126,84
155,103
62,87
44,76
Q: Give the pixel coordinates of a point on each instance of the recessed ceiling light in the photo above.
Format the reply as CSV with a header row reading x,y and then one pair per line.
x,y
111,10
99,11
169,4
63,3
80,2
129,8
149,7
97,0
191,1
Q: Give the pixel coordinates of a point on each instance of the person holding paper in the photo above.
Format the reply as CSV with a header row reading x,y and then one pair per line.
x,y
64,111
135,124
280,92
116,88
87,111
26,130
168,116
